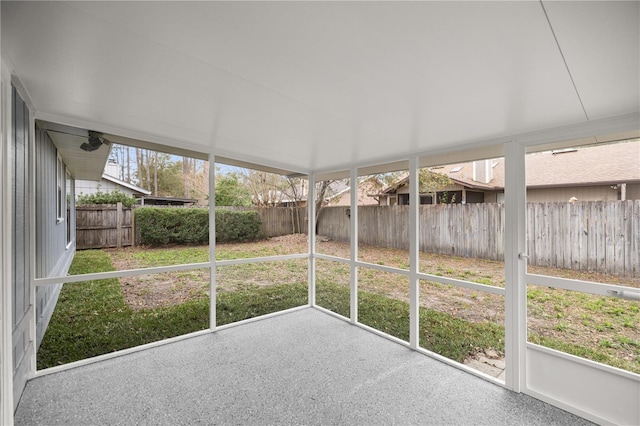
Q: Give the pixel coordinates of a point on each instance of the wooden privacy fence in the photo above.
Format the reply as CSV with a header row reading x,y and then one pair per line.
x,y
111,225
471,230
598,236
103,225
277,221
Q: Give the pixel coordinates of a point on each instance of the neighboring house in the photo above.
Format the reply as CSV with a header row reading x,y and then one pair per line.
x,y
343,196
338,194
153,200
108,183
606,172
475,182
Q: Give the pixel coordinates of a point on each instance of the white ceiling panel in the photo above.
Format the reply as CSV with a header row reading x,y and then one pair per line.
x,y
601,44
321,85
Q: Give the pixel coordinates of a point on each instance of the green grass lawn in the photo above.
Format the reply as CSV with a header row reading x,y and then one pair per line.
x,y
92,317
440,332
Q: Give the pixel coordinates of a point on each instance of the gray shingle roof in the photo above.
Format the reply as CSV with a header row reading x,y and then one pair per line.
x,y
599,164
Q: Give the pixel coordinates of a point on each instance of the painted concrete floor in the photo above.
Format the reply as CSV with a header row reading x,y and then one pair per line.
x,y
303,367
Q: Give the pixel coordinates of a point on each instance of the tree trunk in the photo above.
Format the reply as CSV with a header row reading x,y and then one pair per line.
x,y
121,163
185,176
322,191
205,178
128,161
148,187
139,164
155,174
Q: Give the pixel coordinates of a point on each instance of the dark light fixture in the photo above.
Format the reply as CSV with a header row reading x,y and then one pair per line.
x,y
95,141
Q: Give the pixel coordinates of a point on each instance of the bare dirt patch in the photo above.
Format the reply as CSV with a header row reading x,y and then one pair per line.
x,y
157,290
575,318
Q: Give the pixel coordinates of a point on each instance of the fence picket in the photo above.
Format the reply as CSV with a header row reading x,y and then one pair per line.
x,y
634,271
104,225
589,236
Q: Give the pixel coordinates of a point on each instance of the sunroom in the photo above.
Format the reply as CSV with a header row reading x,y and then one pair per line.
x,y
325,92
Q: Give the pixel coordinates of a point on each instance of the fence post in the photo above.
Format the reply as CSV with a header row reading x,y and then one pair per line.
x,y
133,225
119,225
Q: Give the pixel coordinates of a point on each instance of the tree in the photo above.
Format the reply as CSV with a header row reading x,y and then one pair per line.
x,y
186,172
432,182
294,189
429,181
170,179
231,192
163,174
266,188
139,161
379,181
155,173
325,192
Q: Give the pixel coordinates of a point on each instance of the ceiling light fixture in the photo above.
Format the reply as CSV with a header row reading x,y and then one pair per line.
x,y
95,141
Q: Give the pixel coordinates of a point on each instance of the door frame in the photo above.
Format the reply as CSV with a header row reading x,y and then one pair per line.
x,y
552,376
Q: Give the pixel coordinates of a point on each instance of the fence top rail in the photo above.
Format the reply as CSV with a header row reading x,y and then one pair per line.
x,y
99,207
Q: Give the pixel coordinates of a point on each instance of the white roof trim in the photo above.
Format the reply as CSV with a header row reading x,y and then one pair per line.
x,y
125,184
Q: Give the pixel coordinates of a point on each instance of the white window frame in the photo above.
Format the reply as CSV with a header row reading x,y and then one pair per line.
x,y
60,190
68,205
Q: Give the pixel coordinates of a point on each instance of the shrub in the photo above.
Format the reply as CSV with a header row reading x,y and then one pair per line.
x,y
112,197
238,226
159,226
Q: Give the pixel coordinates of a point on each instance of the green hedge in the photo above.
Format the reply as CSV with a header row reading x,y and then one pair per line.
x,y
113,197
238,226
160,226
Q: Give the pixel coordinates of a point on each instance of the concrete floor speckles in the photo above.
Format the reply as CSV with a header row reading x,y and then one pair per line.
x,y
303,367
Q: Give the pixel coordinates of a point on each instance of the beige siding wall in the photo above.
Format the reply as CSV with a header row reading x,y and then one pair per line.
x,y
582,193
345,200
633,191
490,197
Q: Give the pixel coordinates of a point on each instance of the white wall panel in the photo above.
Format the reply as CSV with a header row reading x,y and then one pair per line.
x,y
597,392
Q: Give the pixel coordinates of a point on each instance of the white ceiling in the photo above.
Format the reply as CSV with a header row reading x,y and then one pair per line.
x,y
323,85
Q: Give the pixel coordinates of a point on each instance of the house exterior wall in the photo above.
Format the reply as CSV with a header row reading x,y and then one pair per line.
x,y
20,250
493,197
633,191
6,374
582,193
453,192
538,195
345,200
89,187
55,237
